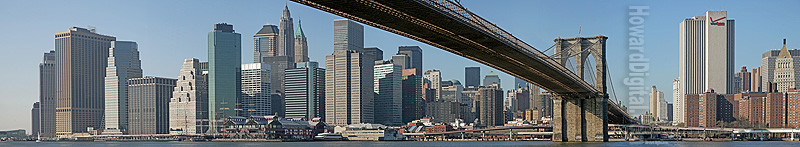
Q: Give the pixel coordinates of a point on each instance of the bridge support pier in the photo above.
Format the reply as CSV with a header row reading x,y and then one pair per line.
x,y
582,116
578,119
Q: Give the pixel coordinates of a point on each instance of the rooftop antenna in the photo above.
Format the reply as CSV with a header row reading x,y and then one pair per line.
x,y
579,30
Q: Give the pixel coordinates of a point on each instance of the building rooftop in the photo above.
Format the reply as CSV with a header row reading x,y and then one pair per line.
x,y
267,30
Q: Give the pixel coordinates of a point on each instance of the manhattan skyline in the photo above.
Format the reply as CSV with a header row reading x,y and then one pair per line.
x,y
164,29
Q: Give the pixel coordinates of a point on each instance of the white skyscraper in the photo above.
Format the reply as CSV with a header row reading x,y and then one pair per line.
x,y
656,97
707,54
123,64
434,78
677,102
256,99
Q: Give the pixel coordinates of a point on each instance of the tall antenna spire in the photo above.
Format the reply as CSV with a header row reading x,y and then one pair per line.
x,y
784,41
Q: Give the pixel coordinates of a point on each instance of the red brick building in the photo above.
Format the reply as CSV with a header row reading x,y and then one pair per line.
x,y
765,109
751,106
705,110
691,116
792,106
775,114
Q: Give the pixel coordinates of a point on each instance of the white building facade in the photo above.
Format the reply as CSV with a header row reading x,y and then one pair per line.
x,y
123,64
677,102
255,99
707,54
188,107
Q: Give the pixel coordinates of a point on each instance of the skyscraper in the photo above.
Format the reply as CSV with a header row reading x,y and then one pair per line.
x,y
224,73
305,91
402,60
490,106
510,101
523,98
678,102
786,69
669,112
433,78
756,79
374,52
349,79
662,107
491,78
413,104
655,103
149,105
348,96
348,35
188,107
452,93
300,45
278,66
537,102
36,119
469,98
472,76
769,66
79,73
47,94
746,79
286,36
255,99
388,79
123,64
707,53
265,43
415,55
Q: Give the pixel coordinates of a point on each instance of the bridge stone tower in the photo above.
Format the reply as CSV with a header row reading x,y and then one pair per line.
x,y
581,116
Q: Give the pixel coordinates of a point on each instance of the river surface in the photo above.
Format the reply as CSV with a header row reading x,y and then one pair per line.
x,y
413,144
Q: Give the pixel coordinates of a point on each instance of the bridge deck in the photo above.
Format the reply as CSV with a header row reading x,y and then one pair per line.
x,y
418,20
445,25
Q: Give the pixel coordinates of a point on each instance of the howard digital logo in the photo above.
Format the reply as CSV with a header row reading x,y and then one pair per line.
x,y
714,22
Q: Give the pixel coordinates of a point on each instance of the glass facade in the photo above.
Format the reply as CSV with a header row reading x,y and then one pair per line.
x,y
224,68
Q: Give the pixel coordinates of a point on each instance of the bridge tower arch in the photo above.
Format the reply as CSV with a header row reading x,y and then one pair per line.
x,y
584,116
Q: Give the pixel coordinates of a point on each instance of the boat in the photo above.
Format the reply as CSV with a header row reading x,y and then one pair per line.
x,y
329,137
38,137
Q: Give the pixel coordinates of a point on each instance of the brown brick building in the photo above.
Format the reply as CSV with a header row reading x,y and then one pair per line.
x,y
705,110
775,110
691,116
792,105
766,109
751,107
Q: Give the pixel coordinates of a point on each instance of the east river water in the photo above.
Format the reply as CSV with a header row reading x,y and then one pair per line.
x,y
413,144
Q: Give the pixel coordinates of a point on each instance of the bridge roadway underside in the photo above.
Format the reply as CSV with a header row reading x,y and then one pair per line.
x,y
416,21
421,21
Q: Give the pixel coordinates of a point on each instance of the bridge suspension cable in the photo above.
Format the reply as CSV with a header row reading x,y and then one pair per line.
x,y
612,83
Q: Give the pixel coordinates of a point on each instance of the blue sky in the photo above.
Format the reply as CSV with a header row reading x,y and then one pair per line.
x,y
169,31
